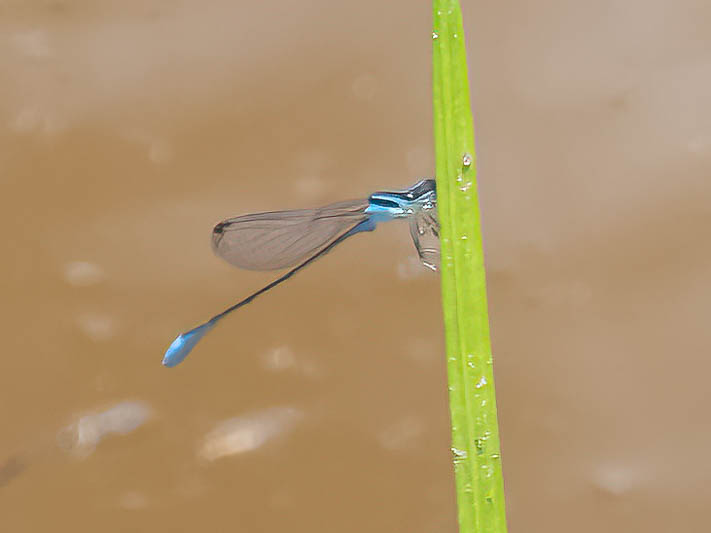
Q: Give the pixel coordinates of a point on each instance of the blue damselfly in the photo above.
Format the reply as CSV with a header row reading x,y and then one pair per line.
x,y
282,239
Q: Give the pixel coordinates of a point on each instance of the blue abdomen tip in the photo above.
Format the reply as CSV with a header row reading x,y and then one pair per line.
x,y
181,347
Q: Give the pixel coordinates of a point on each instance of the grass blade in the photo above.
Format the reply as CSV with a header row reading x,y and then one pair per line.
x,y
475,434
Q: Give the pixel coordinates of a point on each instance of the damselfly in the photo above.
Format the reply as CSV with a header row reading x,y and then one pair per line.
x,y
282,239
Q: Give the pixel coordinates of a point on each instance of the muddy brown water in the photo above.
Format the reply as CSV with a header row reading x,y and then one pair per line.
x,y
128,129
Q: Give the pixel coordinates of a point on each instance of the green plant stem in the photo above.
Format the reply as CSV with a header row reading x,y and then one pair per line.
x,y
475,434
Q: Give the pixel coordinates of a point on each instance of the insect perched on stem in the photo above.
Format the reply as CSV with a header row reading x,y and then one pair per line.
x,y
282,239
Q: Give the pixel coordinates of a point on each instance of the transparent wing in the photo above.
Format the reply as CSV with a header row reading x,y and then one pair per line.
x,y
424,228
279,239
